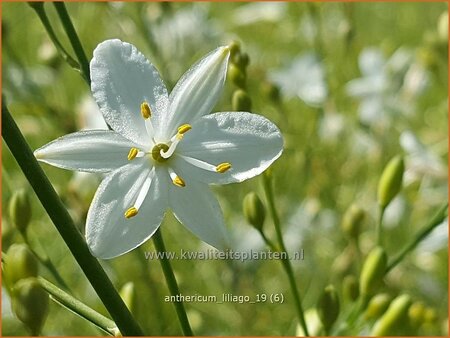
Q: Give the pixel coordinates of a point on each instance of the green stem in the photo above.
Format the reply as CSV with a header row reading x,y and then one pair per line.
x,y
73,38
380,226
40,11
171,283
65,226
79,308
437,219
286,263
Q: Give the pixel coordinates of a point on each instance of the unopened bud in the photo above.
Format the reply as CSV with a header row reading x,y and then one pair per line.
x,y
20,210
241,60
353,220
391,181
416,314
30,304
328,307
235,49
430,315
395,319
241,101
373,271
19,263
350,288
377,306
128,294
236,75
272,91
254,210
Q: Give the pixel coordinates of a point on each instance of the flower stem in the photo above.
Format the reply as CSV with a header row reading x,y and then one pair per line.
x,y
380,226
437,219
79,308
65,226
286,263
171,282
40,11
73,38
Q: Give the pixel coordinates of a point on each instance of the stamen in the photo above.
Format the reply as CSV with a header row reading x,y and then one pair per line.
x,y
177,180
131,212
223,167
145,110
184,128
132,153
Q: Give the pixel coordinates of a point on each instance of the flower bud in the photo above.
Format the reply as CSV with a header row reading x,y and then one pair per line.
x,y
236,75
328,307
30,304
254,210
19,263
395,319
350,288
20,210
377,306
352,221
430,315
416,314
391,181
272,91
241,101
241,60
128,294
373,271
235,48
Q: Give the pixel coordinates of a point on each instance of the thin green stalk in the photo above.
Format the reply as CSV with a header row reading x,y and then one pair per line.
x,y
380,226
73,38
40,11
65,226
286,263
437,219
79,308
171,282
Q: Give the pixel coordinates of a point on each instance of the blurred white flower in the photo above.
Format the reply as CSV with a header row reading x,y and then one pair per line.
x,y
331,126
157,139
259,11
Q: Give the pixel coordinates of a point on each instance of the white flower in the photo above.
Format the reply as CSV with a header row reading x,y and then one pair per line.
x,y
163,150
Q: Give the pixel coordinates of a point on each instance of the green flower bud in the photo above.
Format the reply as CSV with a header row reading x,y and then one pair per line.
x,y
416,314
254,210
30,304
430,315
236,75
373,271
350,288
235,49
377,306
241,60
443,27
328,307
241,101
19,263
395,319
391,181
128,294
20,210
352,221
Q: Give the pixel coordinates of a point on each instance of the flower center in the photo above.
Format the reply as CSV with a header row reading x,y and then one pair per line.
x,y
156,152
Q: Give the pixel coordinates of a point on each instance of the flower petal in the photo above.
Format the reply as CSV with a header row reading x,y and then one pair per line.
x,y
197,91
197,208
90,151
108,233
122,79
249,142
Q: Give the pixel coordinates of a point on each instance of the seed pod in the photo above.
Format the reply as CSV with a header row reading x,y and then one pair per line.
x,y
350,288
395,319
241,101
19,263
328,307
254,210
373,271
236,75
20,210
352,221
377,306
391,181
30,304
128,294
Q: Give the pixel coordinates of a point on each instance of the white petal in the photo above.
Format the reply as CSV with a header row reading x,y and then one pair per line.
x,y
91,151
108,232
122,78
198,90
197,208
249,142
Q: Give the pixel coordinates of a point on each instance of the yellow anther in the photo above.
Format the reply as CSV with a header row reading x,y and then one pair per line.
x,y
145,110
184,128
178,181
131,212
223,167
132,153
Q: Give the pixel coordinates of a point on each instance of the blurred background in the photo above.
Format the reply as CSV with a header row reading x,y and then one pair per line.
x,y
350,85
